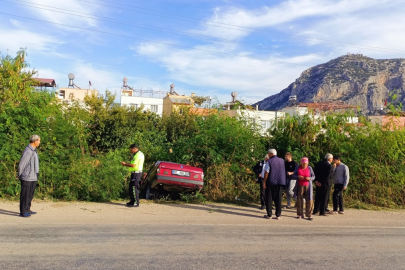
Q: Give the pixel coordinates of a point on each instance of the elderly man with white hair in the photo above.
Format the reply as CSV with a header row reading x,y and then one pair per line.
x,y
28,170
274,183
323,179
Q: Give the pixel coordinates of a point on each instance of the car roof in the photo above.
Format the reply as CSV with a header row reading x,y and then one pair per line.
x,y
179,166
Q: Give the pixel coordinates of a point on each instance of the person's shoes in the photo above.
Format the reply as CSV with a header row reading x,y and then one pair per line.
x,y
266,217
129,204
25,215
278,218
262,208
310,218
136,205
323,215
341,212
334,212
299,217
288,207
329,212
31,212
314,213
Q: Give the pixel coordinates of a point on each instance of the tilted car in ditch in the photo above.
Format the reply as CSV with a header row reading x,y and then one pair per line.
x,y
171,178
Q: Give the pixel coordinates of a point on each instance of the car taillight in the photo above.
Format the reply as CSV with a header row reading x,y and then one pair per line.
x,y
202,176
158,170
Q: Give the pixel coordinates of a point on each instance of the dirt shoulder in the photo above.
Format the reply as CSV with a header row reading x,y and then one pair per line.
x,y
210,214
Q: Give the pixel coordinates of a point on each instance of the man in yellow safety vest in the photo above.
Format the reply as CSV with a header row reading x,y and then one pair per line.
x,y
135,168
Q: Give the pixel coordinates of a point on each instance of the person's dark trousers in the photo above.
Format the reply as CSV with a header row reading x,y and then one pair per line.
x,y
274,193
268,200
26,195
328,196
338,197
134,186
320,199
262,193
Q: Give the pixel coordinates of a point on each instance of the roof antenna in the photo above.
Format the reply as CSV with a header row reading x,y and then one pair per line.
x,y
71,77
292,100
234,96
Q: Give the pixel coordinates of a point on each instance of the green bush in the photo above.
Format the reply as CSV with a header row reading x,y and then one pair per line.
x,y
81,147
375,155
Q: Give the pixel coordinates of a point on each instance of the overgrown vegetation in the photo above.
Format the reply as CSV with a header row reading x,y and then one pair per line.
x,y
375,155
82,146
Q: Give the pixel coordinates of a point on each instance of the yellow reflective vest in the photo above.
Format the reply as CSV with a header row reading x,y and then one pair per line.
x,y
138,159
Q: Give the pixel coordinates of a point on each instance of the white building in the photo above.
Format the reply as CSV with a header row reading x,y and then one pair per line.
x,y
264,119
149,104
296,110
317,114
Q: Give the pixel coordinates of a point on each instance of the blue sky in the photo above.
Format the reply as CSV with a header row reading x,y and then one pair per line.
x,y
208,47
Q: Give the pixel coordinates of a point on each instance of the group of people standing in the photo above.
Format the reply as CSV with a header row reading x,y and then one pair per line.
x,y
275,175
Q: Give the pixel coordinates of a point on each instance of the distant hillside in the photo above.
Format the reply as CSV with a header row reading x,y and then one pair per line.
x,y
354,79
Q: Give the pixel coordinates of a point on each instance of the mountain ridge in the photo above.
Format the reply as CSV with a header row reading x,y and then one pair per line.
x,y
353,78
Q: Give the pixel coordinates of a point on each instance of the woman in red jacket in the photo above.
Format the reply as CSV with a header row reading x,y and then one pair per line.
x,y
305,175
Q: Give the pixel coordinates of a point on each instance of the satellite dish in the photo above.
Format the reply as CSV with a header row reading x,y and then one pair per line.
x,y
234,95
71,76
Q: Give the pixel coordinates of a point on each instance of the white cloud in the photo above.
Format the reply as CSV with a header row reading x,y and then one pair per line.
x,y
51,74
229,73
247,21
323,26
13,39
47,10
101,78
372,34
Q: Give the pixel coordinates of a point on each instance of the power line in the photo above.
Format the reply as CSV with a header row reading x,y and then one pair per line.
x,y
80,14
154,41
55,9
189,19
175,45
216,24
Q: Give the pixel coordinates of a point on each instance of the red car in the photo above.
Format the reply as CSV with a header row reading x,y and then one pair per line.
x,y
168,177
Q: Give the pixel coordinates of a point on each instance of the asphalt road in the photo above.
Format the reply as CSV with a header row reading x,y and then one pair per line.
x,y
260,244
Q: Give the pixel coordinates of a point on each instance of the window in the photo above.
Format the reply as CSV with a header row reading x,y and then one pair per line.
x,y
154,108
266,124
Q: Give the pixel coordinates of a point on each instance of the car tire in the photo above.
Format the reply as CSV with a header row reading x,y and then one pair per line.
x,y
148,195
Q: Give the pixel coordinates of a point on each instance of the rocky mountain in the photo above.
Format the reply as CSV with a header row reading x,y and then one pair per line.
x,y
354,79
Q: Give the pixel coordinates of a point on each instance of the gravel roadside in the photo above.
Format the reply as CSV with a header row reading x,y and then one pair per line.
x,y
176,213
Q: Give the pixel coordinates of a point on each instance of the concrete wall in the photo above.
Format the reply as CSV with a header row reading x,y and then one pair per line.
x,y
300,111
167,106
391,122
263,119
295,110
75,94
148,102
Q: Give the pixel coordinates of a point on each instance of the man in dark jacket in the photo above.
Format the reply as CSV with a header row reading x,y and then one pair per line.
x,y
28,170
258,170
274,183
290,166
323,176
